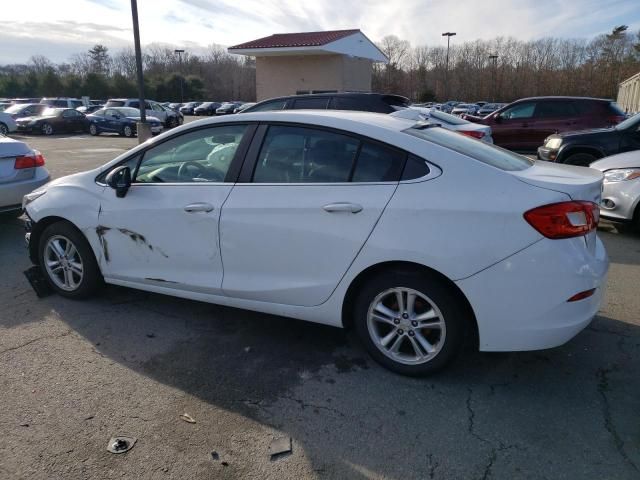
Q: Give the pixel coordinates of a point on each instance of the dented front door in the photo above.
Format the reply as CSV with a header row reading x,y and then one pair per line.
x,y
163,235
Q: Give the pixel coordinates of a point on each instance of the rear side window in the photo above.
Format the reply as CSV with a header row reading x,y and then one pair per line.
x,y
357,104
483,152
268,106
555,109
311,103
415,167
377,163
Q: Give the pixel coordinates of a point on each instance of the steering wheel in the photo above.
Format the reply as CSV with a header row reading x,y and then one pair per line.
x,y
183,170
203,172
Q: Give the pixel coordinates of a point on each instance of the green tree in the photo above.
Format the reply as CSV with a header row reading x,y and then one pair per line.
x,y
50,83
100,60
95,85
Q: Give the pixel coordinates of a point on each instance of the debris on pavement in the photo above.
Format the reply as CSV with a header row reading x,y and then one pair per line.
x,y
121,444
215,455
187,418
151,335
38,282
280,447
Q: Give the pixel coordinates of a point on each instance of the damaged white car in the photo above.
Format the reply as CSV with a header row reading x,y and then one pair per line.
x,y
415,236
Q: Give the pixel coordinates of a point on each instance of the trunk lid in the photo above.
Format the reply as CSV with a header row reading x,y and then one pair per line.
x,y
9,150
579,183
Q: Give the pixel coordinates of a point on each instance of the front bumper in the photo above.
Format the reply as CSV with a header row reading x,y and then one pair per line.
x,y
521,302
548,154
619,200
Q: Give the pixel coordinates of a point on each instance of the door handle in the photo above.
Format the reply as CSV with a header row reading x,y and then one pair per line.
x,y
198,207
342,207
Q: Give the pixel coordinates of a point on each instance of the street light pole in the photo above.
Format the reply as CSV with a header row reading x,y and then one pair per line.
x,y
446,72
180,52
494,57
144,131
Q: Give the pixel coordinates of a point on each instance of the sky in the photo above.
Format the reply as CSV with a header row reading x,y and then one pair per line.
x,y
58,29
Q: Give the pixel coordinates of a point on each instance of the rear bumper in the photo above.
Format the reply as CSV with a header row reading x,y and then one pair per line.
x,y
11,193
521,302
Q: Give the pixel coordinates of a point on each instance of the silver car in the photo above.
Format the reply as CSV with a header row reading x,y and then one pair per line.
x,y
21,171
621,190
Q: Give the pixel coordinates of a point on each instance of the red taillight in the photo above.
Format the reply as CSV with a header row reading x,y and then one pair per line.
x,y
582,295
36,159
472,133
565,219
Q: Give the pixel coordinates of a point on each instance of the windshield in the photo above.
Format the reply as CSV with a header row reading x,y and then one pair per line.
x,y
115,103
630,122
445,117
15,108
481,151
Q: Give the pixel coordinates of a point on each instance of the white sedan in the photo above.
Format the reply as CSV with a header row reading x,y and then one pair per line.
x,y
448,121
415,236
7,124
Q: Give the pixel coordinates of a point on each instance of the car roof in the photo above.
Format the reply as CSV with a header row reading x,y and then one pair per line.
x,y
562,97
340,94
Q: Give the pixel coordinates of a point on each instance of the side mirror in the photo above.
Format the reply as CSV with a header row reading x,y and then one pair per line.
x,y
120,180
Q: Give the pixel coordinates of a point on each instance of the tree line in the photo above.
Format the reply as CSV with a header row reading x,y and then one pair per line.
x,y
501,69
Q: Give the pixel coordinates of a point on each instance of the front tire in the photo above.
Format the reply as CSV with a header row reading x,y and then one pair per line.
x,y
172,122
93,130
412,324
4,130
67,261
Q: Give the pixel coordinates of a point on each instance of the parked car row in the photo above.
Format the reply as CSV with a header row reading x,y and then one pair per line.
x,y
209,108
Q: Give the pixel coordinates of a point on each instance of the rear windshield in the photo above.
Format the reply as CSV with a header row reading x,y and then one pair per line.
x,y
483,152
115,103
396,101
630,122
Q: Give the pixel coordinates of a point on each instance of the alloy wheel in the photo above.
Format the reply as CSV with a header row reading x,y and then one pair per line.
x,y
3,129
47,129
406,326
63,263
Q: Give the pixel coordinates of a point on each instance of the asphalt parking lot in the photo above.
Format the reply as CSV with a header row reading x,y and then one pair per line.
x,y
74,374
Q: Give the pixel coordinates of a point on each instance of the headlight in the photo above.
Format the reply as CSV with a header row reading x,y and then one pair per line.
x,y
30,197
621,174
553,143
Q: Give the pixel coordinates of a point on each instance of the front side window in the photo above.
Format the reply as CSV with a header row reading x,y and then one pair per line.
x,y
198,156
522,110
305,155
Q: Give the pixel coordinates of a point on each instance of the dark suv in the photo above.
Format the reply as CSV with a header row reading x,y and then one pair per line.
x,y
365,102
582,148
524,124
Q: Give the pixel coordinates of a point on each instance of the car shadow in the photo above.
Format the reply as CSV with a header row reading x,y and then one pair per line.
x,y
511,415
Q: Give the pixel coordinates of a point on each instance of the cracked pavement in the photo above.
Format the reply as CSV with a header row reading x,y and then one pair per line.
x,y
130,363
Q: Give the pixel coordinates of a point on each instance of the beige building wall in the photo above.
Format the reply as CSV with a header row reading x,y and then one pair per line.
x,y
278,76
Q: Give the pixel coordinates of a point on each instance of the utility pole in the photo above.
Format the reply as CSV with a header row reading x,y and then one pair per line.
x,y
446,72
180,52
144,131
494,57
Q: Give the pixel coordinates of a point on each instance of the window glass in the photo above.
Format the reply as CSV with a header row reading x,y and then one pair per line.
x,y
522,110
99,113
305,155
194,157
416,167
265,107
156,107
69,113
555,109
76,103
117,103
377,163
133,104
131,162
347,103
483,152
311,103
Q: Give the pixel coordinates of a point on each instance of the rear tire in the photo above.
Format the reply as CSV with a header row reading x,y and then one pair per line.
x,y
580,159
127,131
93,130
67,261
172,122
46,129
419,339
4,130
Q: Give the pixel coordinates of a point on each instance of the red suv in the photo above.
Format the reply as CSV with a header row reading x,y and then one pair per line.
x,y
524,124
